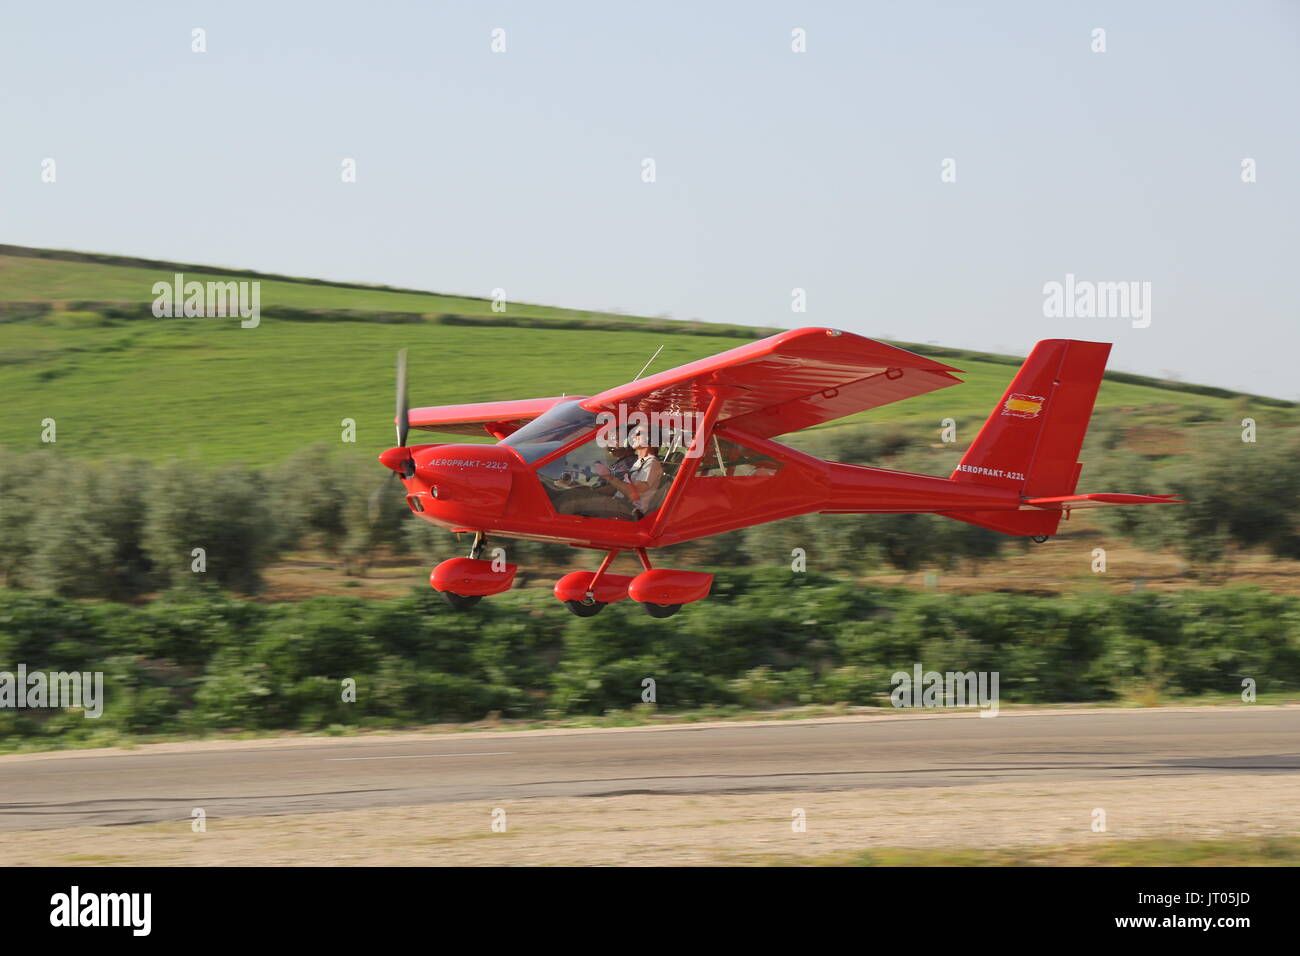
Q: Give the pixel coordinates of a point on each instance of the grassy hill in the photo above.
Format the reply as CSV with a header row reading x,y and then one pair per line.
x,y
79,344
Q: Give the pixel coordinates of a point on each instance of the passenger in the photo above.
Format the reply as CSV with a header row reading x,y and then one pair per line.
x,y
644,486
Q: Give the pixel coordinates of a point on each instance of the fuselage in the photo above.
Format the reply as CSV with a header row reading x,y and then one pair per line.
x,y
493,489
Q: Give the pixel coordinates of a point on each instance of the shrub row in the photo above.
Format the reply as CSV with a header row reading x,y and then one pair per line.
x,y
197,660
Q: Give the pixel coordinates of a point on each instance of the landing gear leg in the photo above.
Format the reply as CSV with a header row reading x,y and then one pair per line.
x,y
476,549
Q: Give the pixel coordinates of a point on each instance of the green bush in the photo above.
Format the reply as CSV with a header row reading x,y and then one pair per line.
x,y
198,660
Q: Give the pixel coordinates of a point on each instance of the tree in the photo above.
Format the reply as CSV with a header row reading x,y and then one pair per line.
x,y
224,512
88,533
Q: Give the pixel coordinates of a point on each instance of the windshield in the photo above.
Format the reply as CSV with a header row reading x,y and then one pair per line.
x,y
551,431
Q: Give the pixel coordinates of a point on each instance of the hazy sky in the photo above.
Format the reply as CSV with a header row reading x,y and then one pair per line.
x,y
774,169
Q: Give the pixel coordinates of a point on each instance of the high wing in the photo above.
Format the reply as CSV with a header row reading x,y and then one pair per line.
x,y
786,382
497,419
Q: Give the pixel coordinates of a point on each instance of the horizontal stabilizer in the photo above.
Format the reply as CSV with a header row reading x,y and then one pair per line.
x,y
1070,502
1041,516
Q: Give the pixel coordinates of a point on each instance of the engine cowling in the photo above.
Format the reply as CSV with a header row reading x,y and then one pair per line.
x,y
467,484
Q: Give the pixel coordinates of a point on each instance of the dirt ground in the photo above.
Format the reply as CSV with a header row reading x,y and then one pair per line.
x,y
696,829
1064,565
1061,565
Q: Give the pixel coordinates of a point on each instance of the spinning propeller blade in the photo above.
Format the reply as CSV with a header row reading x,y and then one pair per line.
x,y
403,413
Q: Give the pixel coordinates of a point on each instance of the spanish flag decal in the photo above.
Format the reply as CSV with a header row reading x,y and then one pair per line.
x,y
1023,406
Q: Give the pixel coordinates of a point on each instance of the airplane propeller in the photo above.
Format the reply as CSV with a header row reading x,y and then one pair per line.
x,y
403,420
403,416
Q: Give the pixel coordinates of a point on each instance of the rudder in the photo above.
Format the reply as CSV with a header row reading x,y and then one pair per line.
x,y
1031,441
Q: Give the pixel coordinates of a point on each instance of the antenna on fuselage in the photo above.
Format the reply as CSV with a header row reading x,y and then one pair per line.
x,y
647,364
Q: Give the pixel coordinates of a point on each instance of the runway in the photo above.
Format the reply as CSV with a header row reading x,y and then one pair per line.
x,y
258,778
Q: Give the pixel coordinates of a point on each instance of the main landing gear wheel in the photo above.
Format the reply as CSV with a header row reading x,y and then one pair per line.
x,y
461,602
1039,538
661,610
585,610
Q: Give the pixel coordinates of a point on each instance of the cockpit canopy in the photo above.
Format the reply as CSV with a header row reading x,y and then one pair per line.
x,y
589,479
551,431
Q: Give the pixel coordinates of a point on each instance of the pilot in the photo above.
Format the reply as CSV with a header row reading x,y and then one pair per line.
x,y
622,458
645,484
581,492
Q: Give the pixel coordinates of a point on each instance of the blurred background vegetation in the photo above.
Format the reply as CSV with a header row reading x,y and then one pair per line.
x,y
199,661
176,434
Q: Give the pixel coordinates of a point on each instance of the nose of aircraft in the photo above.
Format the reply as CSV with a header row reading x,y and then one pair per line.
x,y
465,482
396,458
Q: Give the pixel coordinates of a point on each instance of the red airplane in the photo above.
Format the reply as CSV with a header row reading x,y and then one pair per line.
x,y
703,460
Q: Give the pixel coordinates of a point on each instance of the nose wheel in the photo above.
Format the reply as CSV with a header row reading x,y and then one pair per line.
x,y
456,576
463,602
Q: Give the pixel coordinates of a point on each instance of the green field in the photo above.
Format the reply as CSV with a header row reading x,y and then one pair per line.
x,y
24,278
212,390
1238,851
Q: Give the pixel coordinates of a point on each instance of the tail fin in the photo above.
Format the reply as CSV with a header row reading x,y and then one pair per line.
x,y
1031,441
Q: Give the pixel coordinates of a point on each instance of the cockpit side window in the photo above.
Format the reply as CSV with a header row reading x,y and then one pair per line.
x,y
551,431
726,459
597,480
